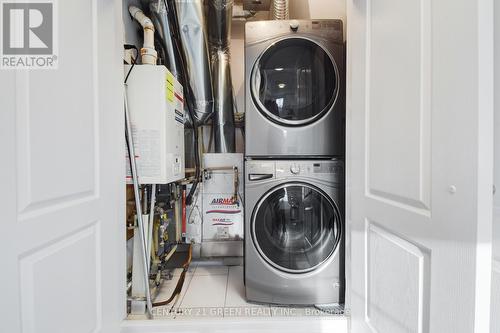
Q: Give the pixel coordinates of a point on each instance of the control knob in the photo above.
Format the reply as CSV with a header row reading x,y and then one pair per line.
x,y
294,25
295,169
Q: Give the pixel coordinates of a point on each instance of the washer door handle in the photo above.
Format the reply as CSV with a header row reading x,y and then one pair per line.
x,y
259,176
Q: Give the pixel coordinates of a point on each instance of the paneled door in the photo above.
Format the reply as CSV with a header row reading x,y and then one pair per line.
x,y
495,287
420,143
61,180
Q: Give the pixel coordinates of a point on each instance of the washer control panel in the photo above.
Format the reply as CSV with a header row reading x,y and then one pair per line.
x,y
309,168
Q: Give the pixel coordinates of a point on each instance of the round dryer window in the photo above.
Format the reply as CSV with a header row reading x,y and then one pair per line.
x,y
295,81
295,227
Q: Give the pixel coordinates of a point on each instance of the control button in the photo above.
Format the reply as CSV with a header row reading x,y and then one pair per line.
x,y
294,25
295,169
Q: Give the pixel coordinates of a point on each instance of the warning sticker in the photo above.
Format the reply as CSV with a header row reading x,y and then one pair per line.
x,y
170,87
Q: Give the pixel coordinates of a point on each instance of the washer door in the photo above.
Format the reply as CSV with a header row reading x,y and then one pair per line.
x,y
295,81
296,227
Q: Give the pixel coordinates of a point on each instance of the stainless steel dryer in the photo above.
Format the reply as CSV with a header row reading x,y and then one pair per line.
x,y
294,232
295,83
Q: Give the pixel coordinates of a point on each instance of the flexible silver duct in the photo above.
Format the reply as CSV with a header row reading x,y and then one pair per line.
x,y
191,25
224,132
220,14
279,10
161,16
164,20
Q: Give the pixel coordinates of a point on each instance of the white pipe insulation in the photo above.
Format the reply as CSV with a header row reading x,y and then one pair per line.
x,y
148,52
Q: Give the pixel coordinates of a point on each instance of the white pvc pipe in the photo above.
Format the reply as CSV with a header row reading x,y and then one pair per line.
x,y
148,52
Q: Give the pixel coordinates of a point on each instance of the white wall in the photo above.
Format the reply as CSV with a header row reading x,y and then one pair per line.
x,y
317,9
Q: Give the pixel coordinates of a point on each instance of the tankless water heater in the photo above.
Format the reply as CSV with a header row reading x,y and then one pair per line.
x,y
156,105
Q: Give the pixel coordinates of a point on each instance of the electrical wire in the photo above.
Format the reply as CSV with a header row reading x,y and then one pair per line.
x,y
134,61
210,140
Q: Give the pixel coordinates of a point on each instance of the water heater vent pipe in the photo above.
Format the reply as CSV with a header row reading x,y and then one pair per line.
x,y
148,52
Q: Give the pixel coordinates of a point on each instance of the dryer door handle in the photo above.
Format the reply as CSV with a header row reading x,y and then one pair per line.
x,y
259,176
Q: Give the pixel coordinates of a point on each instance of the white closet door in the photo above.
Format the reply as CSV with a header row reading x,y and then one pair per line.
x,y
420,142
62,242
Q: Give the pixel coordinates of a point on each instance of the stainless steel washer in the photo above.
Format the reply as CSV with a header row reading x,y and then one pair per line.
x,y
294,243
295,89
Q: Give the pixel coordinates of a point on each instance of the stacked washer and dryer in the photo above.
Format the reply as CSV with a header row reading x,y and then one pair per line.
x,y
294,165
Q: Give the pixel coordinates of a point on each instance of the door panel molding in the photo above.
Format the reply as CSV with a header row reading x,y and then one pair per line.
x,y
394,305
495,300
390,122
37,268
72,118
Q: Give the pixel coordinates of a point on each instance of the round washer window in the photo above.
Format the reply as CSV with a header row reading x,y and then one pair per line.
x,y
295,227
295,81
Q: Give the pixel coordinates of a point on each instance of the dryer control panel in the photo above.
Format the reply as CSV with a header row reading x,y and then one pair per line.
x,y
265,170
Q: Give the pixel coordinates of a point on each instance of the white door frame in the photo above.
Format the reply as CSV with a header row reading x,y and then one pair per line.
x,y
486,120
495,300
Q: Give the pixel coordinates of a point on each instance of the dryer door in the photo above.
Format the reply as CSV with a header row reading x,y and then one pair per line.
x,y
296,227
295,81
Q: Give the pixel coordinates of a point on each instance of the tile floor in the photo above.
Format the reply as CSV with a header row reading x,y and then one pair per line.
x,y
214,291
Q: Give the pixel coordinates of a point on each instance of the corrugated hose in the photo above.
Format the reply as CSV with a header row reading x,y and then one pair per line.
x,y
180,283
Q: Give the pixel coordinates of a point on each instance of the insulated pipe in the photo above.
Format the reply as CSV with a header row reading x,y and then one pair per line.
x,y
219,32
223,121
162,18
220,14
148,52
191,27
190,30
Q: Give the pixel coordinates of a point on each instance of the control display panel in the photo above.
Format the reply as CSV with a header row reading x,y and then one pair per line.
x,y
305,168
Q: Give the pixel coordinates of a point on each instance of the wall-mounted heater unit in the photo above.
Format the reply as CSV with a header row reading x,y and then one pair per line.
x,y
156,103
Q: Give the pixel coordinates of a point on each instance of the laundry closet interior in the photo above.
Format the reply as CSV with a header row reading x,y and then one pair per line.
x,y
217,166
253,191
237,114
